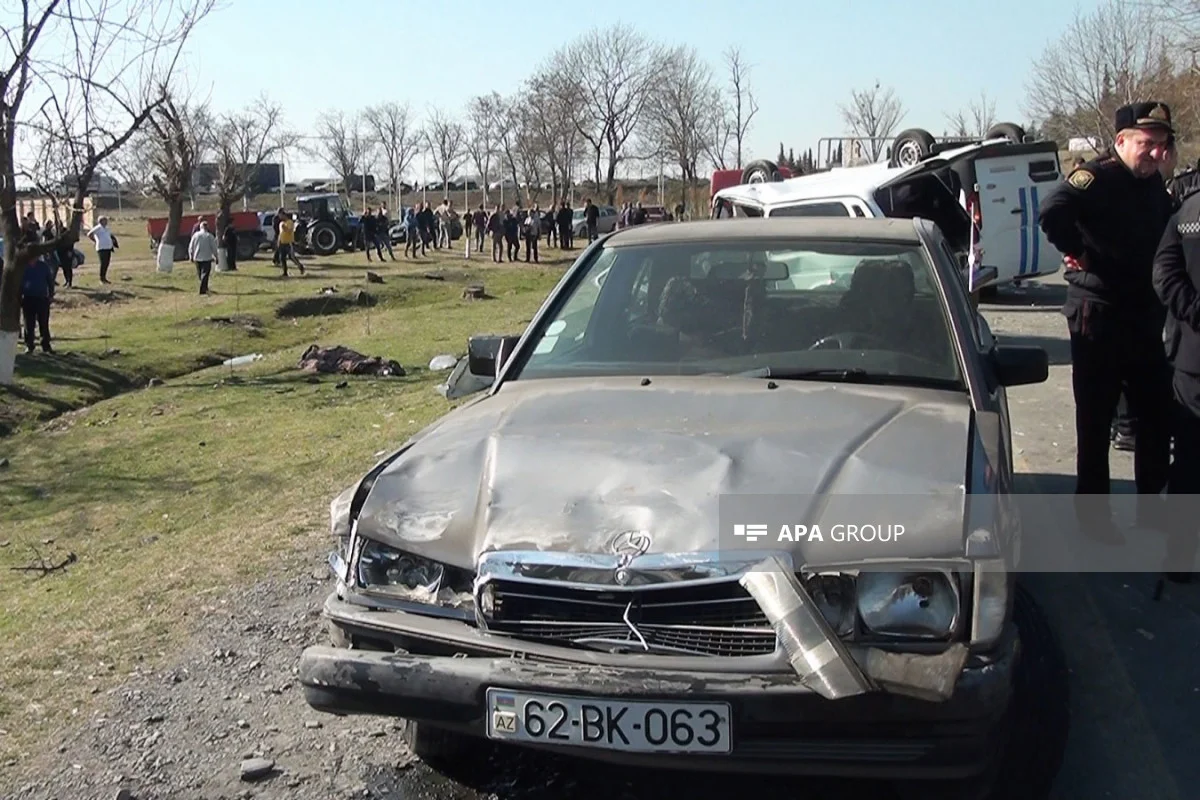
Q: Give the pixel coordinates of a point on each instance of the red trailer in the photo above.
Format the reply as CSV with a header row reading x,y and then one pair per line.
x,y
246,223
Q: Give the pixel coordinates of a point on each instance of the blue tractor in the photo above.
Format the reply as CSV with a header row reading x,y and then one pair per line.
x,y
328,223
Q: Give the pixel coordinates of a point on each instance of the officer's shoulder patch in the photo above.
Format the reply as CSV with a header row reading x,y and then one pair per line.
x,y
1081,179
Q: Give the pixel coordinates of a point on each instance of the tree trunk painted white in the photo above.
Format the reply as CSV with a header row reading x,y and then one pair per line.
x,y
166,258
8,356
222,259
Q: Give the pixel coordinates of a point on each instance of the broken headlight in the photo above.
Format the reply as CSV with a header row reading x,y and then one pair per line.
x,y
921,605
404,576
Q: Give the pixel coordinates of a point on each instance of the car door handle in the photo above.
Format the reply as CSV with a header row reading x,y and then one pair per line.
x,y
1016,211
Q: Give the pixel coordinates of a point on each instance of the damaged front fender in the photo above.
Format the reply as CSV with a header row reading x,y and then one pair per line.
x,y
824,663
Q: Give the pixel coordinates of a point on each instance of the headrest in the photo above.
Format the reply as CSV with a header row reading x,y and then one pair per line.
x,y
883,277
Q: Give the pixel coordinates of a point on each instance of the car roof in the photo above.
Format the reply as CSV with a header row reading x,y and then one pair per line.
x,y
747,229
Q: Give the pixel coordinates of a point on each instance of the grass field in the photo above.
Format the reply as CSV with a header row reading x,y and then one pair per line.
x,y
172,494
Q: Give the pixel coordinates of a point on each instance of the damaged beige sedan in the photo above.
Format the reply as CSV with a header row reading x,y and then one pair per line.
x,y
550,564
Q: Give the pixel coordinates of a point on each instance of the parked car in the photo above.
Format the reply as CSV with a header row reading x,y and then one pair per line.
x,y
994,185
605,223
547,566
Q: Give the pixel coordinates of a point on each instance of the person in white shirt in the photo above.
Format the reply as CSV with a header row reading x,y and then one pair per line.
x,y
203,250
533,232
105,244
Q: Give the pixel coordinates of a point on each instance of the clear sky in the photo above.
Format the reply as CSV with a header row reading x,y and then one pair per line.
x,y
806,57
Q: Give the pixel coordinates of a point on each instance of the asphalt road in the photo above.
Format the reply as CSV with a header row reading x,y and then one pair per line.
x,y
1135,686
1135,705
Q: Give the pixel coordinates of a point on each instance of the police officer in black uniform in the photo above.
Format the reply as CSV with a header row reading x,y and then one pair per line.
x,y
1176,278
1107,219
1124,427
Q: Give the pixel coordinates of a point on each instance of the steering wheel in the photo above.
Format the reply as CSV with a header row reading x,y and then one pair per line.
x,y
849,341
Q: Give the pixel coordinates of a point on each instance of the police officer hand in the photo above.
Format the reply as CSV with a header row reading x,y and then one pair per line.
x,y
1075,263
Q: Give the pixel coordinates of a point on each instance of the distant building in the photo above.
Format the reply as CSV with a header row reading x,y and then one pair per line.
x,y
263,179
100,184
1083,144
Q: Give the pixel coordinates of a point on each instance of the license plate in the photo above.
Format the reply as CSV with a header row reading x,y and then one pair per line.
x,y
639,727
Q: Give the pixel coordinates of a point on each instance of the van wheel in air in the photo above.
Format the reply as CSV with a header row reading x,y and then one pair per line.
x,y
761,171
911,146
1006,130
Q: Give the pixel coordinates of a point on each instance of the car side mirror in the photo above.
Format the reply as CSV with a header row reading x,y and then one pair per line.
x,y
486,354
1020,365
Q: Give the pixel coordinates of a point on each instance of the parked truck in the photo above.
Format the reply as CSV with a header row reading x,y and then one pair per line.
x,y
246,223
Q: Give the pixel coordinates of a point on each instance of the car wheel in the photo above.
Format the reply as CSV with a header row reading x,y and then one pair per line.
x,y
1038,723
437,747
911,146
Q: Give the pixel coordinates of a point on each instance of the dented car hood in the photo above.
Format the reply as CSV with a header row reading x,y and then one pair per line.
x,y
567,464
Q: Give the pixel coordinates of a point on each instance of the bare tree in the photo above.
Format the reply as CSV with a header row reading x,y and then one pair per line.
x,y
742,106
74,107
512,128
485,119
679,105
343,147
244,141
447,140
398,138
176,136
550,129
605,80
1112,56
872,115
975,119
719,136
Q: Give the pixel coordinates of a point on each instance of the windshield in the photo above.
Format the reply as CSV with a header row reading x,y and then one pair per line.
x,y
782,308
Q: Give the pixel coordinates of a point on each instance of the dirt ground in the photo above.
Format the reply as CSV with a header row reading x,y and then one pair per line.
x,y
185,731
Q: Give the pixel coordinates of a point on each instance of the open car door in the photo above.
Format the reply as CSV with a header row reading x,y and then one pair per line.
x,y
996,185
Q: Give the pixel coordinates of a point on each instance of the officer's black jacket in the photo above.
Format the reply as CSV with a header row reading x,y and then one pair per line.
x,y
1183,184
1176,278
1115,219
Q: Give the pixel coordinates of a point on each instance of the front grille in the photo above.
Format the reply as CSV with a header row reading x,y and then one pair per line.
x,y
715,619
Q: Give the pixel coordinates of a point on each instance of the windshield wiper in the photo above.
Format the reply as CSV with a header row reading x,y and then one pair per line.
x,y
848,375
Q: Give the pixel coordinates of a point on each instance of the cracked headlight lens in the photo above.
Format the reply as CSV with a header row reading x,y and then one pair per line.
x,y
414,578
920,605
834,596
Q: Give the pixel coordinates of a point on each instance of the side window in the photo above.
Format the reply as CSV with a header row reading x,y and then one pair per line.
x,y
812,210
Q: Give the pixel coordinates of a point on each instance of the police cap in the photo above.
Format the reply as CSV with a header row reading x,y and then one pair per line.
x,y
1153,115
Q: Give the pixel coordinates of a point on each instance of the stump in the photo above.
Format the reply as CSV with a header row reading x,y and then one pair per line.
x,y
473,292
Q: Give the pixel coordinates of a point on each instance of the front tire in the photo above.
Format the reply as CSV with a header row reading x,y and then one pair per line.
x,y
439,748
324,239
1037,725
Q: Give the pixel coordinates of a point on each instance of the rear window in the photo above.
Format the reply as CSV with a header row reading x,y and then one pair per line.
x,y
812,210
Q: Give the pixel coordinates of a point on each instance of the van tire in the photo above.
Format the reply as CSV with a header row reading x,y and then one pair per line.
x,y
761,171
911,146
1007,130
